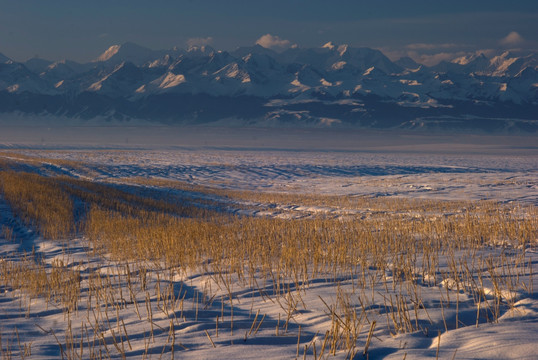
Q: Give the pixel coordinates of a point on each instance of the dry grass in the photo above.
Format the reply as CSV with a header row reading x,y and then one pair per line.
x,y
400,244
40,202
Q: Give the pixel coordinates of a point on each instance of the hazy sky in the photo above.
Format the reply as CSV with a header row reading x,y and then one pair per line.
x,y
81,30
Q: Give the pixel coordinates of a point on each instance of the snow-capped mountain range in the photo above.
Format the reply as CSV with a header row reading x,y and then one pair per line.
x,y
336,85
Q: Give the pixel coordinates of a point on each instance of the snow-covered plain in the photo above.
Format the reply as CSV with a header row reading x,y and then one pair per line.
x,y
319,161
419,166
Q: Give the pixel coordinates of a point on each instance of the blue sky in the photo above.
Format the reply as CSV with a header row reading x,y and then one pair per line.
x,y
81,30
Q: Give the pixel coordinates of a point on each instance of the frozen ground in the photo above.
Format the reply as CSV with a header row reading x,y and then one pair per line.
x,y
320,161
410,165
472,173
36,321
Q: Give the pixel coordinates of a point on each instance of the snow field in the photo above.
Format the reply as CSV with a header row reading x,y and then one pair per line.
x,y
310,276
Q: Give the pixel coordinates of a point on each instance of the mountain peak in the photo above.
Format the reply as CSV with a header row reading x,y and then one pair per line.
x,y
407,63
36,64
465,60
342,49
126,52
4,59
256,49
109,53
202,50
330,45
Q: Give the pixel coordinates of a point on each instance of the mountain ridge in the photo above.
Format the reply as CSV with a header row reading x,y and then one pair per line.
x,y
333,85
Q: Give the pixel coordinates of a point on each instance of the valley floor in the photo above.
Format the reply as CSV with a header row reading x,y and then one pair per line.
x,y
409,249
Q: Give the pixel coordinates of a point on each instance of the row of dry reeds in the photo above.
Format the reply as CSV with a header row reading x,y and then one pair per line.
x,y
387,256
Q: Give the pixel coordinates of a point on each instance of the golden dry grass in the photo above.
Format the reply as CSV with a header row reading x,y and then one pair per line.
x,y
399,243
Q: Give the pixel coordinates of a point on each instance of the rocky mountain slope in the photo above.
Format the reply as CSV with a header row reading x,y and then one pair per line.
x,y
334,85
